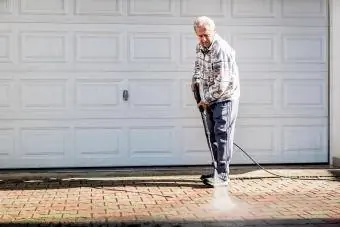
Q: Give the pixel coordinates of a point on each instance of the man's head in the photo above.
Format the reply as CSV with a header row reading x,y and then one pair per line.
x,y
205,30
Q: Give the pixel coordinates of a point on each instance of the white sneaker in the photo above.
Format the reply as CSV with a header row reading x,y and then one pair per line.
x,y
218,182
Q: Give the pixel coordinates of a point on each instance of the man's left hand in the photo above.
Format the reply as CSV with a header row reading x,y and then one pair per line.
x,y
203,104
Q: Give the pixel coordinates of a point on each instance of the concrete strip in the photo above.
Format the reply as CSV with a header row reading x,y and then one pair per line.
x,y
248,172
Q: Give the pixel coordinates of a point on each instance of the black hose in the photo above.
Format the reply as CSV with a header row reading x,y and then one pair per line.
x,y
281,176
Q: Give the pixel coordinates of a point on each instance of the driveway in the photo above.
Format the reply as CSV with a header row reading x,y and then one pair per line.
x,y
170,200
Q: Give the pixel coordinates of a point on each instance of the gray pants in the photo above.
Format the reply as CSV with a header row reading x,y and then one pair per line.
x,y
221,118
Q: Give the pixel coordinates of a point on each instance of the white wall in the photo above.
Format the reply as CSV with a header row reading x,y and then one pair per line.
x,y
335,81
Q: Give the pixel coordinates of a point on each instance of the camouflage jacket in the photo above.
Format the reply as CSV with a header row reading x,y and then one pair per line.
x,y
217,72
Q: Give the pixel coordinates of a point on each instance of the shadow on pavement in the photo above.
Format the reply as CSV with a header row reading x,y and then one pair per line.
x,y
112,182
335,172
150,171
227,223
102,183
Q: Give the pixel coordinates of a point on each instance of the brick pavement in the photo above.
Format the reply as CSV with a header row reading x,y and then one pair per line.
x,y
170,201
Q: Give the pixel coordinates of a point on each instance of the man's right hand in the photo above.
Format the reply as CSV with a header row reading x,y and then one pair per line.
x,y
203,104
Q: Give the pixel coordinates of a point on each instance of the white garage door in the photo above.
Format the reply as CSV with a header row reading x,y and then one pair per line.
x,y
65,65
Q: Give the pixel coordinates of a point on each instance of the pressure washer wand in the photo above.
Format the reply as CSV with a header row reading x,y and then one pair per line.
x,y
203,113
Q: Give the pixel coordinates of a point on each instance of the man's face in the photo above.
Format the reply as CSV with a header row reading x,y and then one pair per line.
x,y
205,36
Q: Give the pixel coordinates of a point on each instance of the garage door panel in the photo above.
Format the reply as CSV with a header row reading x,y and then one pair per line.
x,y
35,163
39,145
6,47
91,46
43,94
259,93
43,47
264,46
304,8
6,7
305,95
306,75
191,8
7,95
49,142
43,6
188,102
7,138
305,157
151,8
154,98
260,138
280,48
304,48
303,138
152,93
263,137
288,140
94,7
98,142
194,141
291,67
264,96
151,141
97,94
188,43
193,145
160,51
250,8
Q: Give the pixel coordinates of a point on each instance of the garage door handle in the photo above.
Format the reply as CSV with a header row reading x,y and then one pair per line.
x,y
125,95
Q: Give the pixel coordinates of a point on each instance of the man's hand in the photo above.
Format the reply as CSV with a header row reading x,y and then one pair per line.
x,y
203,104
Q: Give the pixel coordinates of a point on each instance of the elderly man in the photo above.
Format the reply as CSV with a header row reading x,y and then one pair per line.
x,y
216,73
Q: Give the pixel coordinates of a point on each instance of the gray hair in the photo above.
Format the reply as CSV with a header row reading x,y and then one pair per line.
x,y
204,21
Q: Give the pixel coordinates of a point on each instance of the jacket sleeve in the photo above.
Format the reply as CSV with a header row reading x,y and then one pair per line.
x,y
196,76
220,78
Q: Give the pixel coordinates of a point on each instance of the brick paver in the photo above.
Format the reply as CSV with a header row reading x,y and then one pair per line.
x,y
171,201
